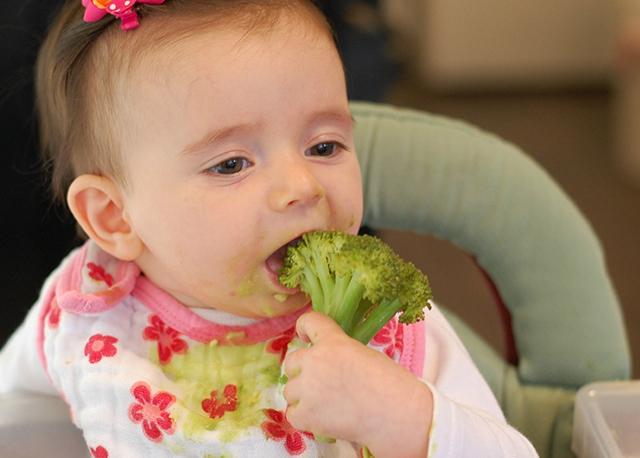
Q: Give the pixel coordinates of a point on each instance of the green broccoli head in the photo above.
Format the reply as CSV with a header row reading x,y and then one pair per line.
x,y
359,281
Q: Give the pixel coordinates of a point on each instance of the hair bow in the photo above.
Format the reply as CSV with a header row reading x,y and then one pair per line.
x,y
122,9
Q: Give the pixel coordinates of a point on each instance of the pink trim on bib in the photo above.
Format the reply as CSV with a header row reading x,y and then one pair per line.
x,y
183,320
412,356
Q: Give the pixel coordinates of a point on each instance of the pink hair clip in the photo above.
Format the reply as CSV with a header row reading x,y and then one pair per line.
x,y
122,9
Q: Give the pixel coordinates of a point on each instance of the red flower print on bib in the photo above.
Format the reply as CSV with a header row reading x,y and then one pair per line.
x,y
216,408
98,273
99,346
99,452
151,411
280,344
390,338
53,315
278,428
169,341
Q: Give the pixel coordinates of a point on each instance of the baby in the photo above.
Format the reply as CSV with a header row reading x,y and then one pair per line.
x,y
192,140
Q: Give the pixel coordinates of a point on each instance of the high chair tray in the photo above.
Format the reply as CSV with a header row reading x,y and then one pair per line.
x,y
607,420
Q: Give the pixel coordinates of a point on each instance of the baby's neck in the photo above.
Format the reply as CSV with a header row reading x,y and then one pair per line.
x,y
224,318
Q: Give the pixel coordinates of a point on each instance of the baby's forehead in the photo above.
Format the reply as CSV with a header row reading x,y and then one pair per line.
x,y
153,53
167,31
190,61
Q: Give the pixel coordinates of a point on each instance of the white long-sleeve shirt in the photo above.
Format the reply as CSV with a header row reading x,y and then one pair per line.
x,y
145,376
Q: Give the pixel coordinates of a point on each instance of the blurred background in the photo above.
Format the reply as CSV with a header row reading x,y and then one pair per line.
x,y
559,79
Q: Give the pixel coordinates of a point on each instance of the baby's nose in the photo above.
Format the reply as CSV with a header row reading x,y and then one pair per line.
x,y
296,186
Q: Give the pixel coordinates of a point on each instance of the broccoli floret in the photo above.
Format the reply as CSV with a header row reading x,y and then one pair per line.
x,y
357,280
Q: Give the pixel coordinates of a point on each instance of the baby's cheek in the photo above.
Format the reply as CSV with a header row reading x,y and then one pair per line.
x,y
238,264
353,225
353,218
348,215
356,209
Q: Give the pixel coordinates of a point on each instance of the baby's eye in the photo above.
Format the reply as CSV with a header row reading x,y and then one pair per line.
x,y
230,166
324,149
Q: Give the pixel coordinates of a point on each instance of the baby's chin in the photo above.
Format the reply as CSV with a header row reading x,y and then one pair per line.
x,y
280,305
254,306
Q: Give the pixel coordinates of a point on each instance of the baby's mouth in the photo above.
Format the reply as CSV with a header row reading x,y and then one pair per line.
x,y
275,262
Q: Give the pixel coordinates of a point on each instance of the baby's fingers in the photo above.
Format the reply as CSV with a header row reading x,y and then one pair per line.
x,y
297,410
293,363
314,327
298,416
308,416
292,393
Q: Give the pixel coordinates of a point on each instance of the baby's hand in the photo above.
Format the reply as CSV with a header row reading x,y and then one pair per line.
x,y
343,389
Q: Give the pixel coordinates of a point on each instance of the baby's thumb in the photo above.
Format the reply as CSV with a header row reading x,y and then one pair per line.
x,y
314,327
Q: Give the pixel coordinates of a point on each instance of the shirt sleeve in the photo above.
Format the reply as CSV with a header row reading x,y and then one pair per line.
x,y
21,364
467,420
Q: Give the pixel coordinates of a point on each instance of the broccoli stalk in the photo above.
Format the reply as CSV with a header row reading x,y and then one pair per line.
x,y
359,281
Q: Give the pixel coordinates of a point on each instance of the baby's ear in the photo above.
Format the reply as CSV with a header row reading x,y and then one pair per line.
x,y
98,206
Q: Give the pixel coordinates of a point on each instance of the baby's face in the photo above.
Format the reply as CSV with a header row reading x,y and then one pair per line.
x,y
238,145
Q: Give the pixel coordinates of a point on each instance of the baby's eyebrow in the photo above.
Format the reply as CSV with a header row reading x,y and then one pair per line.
x,y
340,116
217,135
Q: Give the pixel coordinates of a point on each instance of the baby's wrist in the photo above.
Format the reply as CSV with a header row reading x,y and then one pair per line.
x,y
405,430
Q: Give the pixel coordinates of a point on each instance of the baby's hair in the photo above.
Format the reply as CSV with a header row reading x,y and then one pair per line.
x,y
81,65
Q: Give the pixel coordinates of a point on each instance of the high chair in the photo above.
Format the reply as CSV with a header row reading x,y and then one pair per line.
x,y
433,175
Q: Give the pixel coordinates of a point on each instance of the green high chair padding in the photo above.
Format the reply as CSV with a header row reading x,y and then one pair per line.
x,y
433,175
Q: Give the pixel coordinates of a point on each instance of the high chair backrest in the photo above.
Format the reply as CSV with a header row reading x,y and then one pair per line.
x,y
432,175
